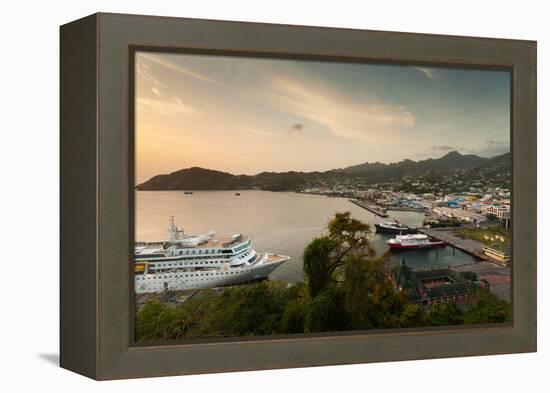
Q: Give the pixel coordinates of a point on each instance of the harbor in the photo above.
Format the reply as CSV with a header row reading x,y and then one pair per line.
x,y
370,208
306,218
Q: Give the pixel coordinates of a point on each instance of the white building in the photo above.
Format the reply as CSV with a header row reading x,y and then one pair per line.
x,y
461,214
500,211
371,194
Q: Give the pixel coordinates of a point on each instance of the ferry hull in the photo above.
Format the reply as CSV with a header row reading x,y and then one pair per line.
x,y
390,231
397,246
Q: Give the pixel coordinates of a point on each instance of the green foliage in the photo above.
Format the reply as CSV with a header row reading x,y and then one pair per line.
x,y
294,316
469,275
371,300
412,316
487,308
348,232
326,254
486,236
154,322
327,312
318,265
444,314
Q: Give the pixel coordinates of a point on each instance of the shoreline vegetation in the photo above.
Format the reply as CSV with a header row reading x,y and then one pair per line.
x,y
347,287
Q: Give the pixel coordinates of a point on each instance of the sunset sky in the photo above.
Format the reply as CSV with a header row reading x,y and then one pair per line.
x,y
245,115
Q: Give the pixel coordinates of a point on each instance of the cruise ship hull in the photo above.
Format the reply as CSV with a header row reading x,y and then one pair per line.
x,y
199,261
183,280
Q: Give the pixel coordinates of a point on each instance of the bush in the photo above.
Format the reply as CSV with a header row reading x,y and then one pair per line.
x,y
326,312
487,308
444,314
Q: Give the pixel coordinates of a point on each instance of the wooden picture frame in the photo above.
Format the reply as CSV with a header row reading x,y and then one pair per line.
x,y
97,195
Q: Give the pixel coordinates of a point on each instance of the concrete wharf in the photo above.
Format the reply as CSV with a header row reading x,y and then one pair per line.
x,y
370,208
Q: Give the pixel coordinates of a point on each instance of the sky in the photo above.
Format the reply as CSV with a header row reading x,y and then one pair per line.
x,y
250,115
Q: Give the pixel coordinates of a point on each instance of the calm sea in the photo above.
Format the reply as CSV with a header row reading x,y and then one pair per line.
x,y
278,222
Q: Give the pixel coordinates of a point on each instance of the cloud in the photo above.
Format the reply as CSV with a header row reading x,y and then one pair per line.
x,y
443,147
494,148
250,132
162,61
349,117
296,128
161,101
157,91
144,72
428,72
169,106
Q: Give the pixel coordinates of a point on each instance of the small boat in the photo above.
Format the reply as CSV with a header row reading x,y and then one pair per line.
x,y
393,227
414,242
188,192
237,194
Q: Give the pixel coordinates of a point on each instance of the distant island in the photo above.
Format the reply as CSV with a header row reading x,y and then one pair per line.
x,y
443,172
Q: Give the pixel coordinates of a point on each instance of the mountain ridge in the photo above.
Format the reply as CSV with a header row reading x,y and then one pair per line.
x,y
197,178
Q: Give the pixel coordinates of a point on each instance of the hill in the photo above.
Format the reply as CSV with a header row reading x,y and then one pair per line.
x,y
467,165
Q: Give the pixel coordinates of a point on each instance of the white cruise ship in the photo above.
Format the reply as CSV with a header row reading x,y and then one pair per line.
x,y
205,261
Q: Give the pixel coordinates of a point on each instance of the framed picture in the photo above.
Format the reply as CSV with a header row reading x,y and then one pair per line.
x,y
241,196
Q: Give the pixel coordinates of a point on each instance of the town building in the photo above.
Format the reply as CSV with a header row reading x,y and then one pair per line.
x,y
434,286
502,212
460,213
371,194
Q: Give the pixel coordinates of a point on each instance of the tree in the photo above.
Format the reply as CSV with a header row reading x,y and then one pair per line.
x,y
153,322
293,320
412,316
486,307
468,275
318,265
326,254
327,312
370,297
254,309
445,314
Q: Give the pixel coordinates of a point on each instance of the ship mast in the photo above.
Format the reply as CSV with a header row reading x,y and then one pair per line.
x,y
174,231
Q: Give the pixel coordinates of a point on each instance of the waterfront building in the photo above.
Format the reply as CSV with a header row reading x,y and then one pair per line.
x,y
502,212
460,214
370,194
433,286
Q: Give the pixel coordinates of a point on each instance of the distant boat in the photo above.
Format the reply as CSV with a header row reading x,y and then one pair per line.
x,y
237,194
393,227
188,192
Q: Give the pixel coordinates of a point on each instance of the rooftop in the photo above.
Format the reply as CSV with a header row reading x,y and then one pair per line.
x,y
441,282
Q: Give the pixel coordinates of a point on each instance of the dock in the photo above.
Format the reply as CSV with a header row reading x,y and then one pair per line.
x,y
469,246
371,209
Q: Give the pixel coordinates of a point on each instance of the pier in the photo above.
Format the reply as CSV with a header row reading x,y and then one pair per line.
x,y
371,209
496,273
469,246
